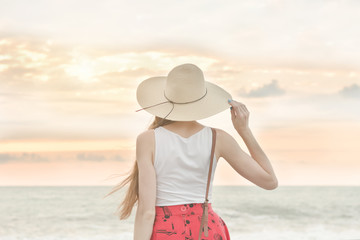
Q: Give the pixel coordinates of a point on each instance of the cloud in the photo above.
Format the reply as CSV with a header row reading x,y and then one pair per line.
x,y
119,158
352,91
90,157
46,83
267,90
5,157
254,30
23,157
99,156
38,65
51,84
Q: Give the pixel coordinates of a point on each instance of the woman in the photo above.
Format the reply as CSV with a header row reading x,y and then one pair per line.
x,y
169,178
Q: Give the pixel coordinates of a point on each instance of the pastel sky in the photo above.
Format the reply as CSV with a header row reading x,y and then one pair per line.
x,y
69,72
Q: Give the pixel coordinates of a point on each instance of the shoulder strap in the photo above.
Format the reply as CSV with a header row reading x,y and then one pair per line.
x,y
211,162
204,217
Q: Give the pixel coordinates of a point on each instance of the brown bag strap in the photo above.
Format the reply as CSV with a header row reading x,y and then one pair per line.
x,y
211,162
204,217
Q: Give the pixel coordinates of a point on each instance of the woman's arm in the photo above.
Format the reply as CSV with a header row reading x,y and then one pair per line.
x,y
145,213
257,167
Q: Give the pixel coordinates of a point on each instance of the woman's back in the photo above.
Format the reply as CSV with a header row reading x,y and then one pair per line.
x,y
169,176
181,165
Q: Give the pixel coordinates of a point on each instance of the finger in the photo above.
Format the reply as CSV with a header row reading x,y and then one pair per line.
x,y
240,108
243,112
243,108
237,110
233,116
235,103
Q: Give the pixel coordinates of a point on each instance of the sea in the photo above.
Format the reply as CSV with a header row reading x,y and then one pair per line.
x,y
250,212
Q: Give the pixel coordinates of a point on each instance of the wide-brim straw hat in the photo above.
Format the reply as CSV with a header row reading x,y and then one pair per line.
x,y
182,95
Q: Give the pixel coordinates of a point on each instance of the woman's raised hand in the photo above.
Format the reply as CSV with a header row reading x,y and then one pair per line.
x,y
239,115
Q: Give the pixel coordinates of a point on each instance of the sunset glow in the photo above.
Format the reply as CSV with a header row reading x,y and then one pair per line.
x,y
67,87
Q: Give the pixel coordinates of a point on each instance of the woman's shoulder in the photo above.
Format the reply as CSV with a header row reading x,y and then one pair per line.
x,y
146,136
223,138
221,133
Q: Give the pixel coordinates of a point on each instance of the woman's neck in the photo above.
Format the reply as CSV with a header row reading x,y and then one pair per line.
x,y
185,125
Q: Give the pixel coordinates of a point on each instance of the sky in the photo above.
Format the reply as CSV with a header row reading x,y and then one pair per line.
x,y
69,72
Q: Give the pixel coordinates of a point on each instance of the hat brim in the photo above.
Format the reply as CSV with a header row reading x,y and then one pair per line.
x,y
151,92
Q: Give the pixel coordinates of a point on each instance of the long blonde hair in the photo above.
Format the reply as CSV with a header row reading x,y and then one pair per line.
x,y
132,194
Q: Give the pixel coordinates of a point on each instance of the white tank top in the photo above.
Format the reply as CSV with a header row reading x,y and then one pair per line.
x,y
182,166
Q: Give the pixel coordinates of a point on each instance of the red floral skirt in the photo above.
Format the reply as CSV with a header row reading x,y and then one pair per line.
x,y
182,222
